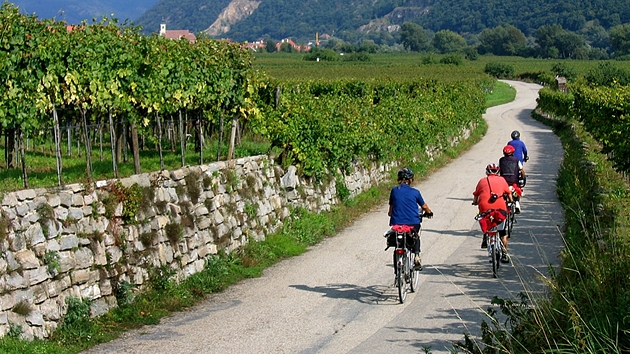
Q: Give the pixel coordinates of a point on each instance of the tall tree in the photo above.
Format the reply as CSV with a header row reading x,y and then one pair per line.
x,y
414,37
502,40
620,39
446,41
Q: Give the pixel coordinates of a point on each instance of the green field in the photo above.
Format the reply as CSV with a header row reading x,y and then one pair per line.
x,y
401,66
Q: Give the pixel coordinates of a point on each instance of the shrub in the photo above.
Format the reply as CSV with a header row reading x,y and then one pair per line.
x,y
174,232
499,70
452,59
360,56
321,54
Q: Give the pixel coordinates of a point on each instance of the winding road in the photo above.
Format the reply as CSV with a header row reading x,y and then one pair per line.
x,y
339,296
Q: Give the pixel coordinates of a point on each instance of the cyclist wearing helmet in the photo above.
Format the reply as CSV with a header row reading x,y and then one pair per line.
x,y
489,195
403,207
520,150
511,169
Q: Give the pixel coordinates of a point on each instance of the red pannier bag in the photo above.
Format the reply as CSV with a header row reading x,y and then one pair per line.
x,y
492,219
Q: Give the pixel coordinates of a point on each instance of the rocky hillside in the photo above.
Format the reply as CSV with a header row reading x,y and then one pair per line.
x,y
249,20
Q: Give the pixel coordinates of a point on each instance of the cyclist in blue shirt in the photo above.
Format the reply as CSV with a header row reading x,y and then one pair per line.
x,y
403,208
520,150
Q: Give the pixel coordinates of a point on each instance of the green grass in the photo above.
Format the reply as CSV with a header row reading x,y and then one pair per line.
x,y
502,93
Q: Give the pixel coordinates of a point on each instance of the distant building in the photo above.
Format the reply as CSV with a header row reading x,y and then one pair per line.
x,y
176,34
300,48
255,46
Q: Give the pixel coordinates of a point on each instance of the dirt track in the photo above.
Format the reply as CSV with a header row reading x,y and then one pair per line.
x,y
339,297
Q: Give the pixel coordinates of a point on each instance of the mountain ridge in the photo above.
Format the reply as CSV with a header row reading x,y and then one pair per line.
x,y
301,19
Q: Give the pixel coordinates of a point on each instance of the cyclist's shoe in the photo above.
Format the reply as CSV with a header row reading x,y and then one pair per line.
x,y
505,259
417,262
484,243
517,207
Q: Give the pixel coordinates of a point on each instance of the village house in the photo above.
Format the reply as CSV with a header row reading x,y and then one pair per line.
x,y
176,34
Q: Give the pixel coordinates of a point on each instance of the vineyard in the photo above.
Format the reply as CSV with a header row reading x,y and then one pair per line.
x,y
109,76
103,91
603,111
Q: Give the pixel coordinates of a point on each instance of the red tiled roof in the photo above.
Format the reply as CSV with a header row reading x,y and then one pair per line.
x,y
177,34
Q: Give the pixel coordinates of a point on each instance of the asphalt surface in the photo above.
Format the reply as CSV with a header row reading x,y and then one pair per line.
x,y
339,296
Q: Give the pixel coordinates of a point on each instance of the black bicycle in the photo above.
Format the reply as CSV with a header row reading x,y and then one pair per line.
x,y
403,238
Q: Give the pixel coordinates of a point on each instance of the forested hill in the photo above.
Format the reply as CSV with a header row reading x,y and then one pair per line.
x,y
301,19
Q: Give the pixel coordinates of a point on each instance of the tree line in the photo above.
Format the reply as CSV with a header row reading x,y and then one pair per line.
x,y
548,41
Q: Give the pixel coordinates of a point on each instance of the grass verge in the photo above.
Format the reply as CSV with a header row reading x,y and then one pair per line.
x,y
502,93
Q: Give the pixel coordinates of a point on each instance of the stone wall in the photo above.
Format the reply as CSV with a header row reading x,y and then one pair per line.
x,y
65,242
84,240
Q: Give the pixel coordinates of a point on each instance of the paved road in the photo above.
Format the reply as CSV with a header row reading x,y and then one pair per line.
x,y
339,297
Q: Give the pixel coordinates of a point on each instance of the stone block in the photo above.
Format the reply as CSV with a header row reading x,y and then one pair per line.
x,y
67,261
50,310
10,200
65,199
7,301
84,258
27,259
35,234
35,318
27,194
77,200
69,242
22,210
75,213
80,276
61,213
36,276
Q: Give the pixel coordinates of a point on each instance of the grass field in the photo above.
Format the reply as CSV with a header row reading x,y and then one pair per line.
x,y
401,65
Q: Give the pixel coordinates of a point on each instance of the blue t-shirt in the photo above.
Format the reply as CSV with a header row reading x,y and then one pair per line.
x,y
404,201
520,151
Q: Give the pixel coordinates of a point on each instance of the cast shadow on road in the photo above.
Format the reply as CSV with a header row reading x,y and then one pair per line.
x,y
373,295
456,233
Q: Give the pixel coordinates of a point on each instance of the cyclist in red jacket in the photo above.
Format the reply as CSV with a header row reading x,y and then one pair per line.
x,y
490,195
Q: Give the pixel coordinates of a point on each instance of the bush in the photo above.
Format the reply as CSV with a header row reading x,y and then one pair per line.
x,y
606,74
360,56
561,69
321,54
499,70
452,59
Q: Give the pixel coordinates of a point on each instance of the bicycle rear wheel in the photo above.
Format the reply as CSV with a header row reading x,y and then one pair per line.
x,y
400,276
495,260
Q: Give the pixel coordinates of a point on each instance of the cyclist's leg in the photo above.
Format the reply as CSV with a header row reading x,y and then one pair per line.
x,y
416,246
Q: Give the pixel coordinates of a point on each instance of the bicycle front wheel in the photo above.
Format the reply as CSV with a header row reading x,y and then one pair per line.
x,y
400,277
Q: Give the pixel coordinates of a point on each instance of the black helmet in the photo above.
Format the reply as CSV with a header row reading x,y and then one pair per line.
x,y
516,135
405,174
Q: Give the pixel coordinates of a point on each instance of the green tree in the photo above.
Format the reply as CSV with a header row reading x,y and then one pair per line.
x,y
414,37
446,41
503,40
620,39
270,46
555,42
